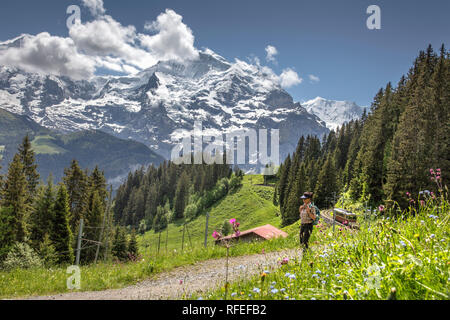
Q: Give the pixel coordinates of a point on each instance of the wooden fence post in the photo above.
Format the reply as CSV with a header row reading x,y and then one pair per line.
x,y
206,228
182,240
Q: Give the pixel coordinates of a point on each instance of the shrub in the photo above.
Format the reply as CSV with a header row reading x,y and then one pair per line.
x,y
190,212
22,256
47,252
143,226
235,183
226,228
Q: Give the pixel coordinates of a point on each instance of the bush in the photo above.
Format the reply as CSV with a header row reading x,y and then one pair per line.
x,y
190,212
235,183
226,228
143,227
47,252
22,256
160,221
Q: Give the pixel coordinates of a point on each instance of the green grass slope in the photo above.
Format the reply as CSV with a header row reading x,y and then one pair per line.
x,y
46,144
251,205
402,257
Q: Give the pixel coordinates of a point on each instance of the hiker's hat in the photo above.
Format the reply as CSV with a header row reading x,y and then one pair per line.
x,y
306,195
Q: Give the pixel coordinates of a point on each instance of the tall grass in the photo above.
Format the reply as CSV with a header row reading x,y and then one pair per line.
x,y
46,281
394,257
250,205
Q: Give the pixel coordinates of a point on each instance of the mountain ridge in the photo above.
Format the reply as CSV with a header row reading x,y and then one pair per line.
x,y
333,112
54,151
150,106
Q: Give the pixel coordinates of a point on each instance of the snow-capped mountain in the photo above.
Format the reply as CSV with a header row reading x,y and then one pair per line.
x,y
334,113
150,106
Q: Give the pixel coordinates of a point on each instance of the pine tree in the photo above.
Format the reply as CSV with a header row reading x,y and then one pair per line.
x,y
150,206
421,139
1,179
61,235
7,231
291,213
97,182
326,184
181,196
47,252
42,215
283,184
132,246
93,223
77,187
275,196
29,168
119,248
139,206
14,196
352,154
160,221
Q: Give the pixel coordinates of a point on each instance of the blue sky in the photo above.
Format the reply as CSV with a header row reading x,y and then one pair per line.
x,y
327,39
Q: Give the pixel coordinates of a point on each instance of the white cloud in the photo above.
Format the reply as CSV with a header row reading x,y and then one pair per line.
x,y
129,69
104,43
173,39
289,78
95,6
313,78
271,53
107,37
110,63
48,54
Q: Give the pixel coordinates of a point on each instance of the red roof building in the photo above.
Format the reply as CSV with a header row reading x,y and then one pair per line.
x,y
260,233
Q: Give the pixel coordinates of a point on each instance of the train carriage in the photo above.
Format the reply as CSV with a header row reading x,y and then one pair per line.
x,y
344,216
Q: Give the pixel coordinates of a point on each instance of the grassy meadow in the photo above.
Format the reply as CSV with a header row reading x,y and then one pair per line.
x,y
403,257
250,205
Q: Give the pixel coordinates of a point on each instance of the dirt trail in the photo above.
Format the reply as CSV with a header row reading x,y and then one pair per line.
x,y
197,278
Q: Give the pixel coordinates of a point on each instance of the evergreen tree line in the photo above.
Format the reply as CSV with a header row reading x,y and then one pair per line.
x,y
150,199
44,218
386,153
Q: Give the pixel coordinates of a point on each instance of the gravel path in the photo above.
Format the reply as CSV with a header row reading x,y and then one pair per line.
x,y
197,278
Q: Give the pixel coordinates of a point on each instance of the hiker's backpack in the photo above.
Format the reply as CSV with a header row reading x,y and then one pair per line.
x,y
316,221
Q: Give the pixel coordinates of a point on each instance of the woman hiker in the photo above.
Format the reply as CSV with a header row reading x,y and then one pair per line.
x,y
307,217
